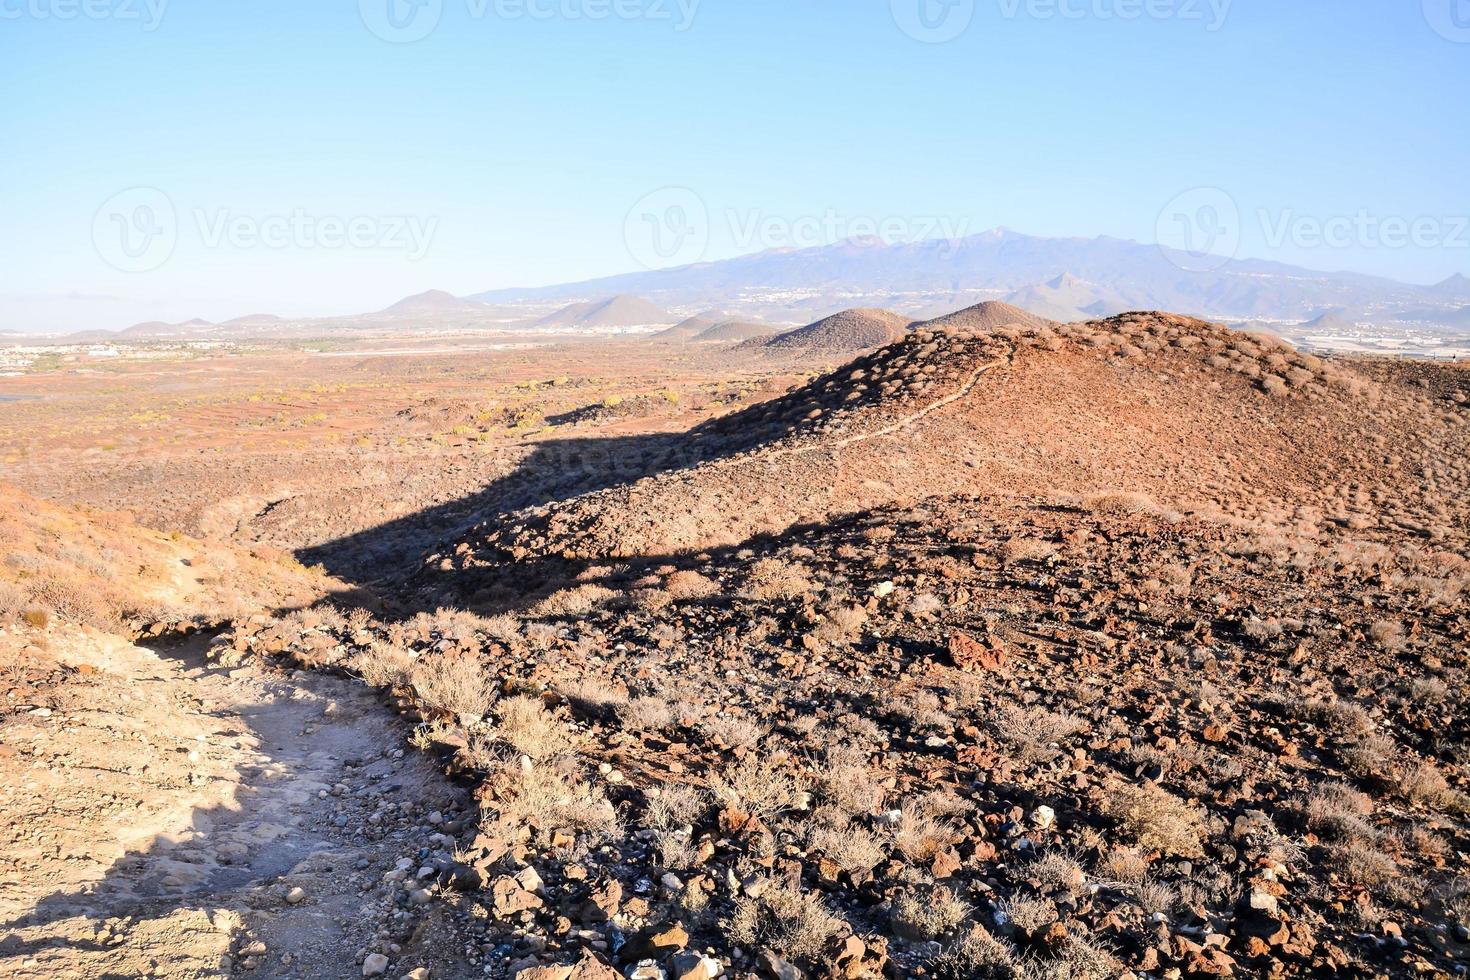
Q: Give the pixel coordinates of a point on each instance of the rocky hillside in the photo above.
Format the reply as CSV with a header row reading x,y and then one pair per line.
x,y
1197,418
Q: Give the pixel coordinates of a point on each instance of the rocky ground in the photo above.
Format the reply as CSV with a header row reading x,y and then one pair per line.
x,y
1133,648
968,738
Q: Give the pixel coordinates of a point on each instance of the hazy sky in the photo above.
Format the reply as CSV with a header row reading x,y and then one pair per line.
x,y
175,158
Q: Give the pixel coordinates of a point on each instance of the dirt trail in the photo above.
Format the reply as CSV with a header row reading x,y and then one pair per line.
x,y
163,812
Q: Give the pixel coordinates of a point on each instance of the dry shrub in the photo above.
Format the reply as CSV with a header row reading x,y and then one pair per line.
x,y
647,714
772,578
1081,959
652,600
924,605
1026,549
1336,715
547,797
502,628
853,849
456,625
383,664
576,601
1034,733
841,624
848,783
1428,690
922,709
928,913
531,730
1155,897
1124,866
1423,783
675,806
977,955
1155,819
675,850
1121,504
1387,635
732,732
1029,914
1339,812
785,920
1369,756
454,683
921,834
1362,863
76,602
1058,871
756,786
686,586
13,600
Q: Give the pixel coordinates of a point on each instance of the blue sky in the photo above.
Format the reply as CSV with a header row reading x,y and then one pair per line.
x,y
508,146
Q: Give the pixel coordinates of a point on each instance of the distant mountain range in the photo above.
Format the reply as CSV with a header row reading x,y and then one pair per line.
x,y
1060,278
1056,278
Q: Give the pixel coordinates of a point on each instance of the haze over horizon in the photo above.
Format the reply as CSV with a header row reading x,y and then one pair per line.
x,y
322,161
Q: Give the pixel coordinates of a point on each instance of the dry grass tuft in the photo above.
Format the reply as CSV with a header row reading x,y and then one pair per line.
x,y
454,683
531,730
686,586
1154,819
928,912
756,786
1034,734
1121,504
784,919
383,664
848,783
774,579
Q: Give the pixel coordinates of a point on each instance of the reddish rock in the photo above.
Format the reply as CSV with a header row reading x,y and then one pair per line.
x,y
971,654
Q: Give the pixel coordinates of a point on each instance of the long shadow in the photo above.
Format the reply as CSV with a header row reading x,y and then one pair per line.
x,y
206,861
389,553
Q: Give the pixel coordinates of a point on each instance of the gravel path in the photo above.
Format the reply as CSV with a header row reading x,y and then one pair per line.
x,y
202,820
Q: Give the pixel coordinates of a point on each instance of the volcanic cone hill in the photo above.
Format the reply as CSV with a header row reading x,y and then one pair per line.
x,y
733,331
841,333
1148,410
990,315
686,330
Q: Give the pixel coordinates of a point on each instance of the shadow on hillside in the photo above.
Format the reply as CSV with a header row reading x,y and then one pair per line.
x,y
388,554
